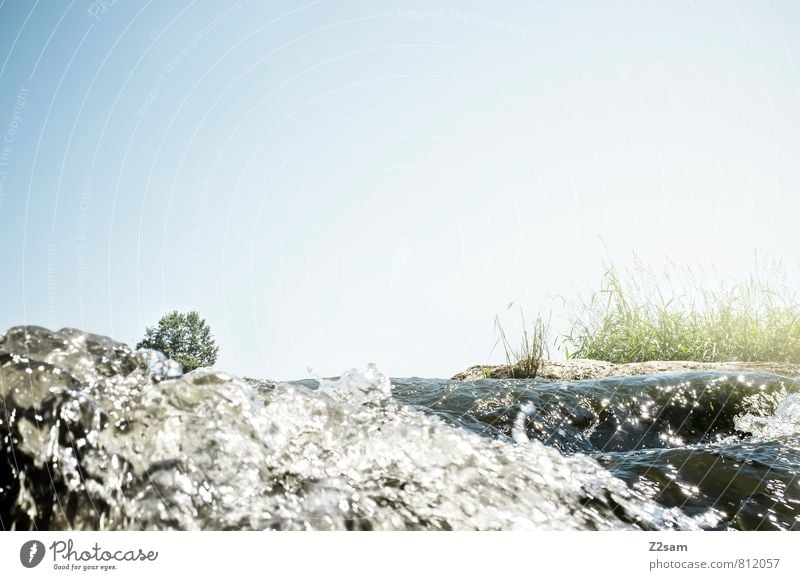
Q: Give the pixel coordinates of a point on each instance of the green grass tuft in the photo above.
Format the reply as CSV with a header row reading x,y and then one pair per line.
x,y
526,359
631,319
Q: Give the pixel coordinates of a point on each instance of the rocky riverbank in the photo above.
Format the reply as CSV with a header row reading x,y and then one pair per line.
x,y
582,369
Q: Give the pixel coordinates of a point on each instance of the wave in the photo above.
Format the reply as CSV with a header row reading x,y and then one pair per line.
x,y
94,435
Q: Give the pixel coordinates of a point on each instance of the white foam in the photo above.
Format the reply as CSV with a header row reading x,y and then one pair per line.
x,y
784,421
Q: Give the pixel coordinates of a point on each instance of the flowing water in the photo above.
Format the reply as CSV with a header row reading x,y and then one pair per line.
x,y
96,436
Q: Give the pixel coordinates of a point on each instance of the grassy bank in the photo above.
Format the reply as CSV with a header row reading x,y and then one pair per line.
x,y
637,316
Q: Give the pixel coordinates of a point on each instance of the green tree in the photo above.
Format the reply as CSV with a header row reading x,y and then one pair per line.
x,y
185,338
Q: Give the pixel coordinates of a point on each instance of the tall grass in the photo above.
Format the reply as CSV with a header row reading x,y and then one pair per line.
x,y
633,319
526,358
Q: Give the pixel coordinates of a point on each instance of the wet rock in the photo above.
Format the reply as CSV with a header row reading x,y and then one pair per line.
x,y
582,369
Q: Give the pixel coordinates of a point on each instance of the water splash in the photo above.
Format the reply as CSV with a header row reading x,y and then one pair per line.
x,y
96,436
783,422
721,447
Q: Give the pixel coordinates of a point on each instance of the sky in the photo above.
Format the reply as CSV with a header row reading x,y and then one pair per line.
x,y
337,183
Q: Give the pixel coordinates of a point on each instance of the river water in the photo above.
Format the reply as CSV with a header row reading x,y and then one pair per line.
x,y
96,436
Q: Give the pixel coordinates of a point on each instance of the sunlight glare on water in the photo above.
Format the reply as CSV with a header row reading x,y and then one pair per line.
x,y
97,436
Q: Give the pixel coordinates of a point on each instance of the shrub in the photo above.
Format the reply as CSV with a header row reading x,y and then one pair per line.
x,y
185,338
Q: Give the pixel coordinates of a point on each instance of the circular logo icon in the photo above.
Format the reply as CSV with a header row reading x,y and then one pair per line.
x,y
31,553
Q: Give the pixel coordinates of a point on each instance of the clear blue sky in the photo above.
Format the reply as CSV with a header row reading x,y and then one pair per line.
x,y
337,183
